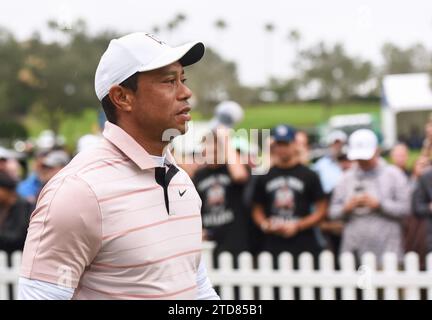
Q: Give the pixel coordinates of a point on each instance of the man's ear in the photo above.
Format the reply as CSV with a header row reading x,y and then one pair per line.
x,y
121,97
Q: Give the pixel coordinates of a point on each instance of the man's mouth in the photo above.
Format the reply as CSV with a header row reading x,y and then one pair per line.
x,y
184,115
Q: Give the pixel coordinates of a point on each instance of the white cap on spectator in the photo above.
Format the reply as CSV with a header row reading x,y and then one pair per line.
x,y
88,141
139,52
337,135
56,158
227,113
362,145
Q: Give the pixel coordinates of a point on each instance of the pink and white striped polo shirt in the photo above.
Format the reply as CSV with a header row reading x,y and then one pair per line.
x,y
109,227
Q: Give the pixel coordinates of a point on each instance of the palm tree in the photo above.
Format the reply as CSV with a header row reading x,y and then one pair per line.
x,y
269,28
220,24
175,23
155,29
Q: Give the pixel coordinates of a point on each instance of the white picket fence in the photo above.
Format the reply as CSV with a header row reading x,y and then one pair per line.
x,y
388,282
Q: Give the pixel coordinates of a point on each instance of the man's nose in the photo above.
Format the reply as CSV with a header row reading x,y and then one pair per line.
x,y
184,92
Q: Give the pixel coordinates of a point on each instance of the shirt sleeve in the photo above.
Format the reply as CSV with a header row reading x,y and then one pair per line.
x,y
205,288
338,199
397,204
258,192
315,188
40,290
64,234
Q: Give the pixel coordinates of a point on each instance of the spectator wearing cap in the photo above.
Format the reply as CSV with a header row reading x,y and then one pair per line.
x,y
52,163
372,197
9,163
328,167
288,202
30,187
14,215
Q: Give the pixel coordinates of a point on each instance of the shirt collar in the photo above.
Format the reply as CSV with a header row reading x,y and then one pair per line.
x,y
132,149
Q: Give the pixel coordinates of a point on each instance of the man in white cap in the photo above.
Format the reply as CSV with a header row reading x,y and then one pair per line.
x,y
122,221
372,197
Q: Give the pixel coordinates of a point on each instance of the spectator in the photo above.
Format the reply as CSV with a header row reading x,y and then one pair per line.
x,y
302,141
53,162
30,187
289,201
399,156
372,197
14,216
332,228
427,142
9,163
328,167
419,167
220,185
422,203
416,225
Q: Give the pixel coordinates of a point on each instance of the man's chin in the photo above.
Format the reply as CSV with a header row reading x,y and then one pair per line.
x,y
183,128
171,133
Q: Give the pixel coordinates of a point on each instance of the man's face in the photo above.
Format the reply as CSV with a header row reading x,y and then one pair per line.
x,y
284,151
46,173
366,165
161,101
399,156
336,147
5,195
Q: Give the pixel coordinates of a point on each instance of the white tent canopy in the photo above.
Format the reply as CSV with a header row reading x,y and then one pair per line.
x,y
406,104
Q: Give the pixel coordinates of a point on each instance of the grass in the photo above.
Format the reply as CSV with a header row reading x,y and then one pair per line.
x,y
262,116
71,128
299,115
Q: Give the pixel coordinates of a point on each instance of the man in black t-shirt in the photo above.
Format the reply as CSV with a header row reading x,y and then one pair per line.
x,y
220,186
289,201
14,216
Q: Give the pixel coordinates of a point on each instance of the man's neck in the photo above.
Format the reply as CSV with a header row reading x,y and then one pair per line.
x,y
287,164
152,145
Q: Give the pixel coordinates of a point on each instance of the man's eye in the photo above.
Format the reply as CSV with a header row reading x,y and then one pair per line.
x,y
184,81
171,81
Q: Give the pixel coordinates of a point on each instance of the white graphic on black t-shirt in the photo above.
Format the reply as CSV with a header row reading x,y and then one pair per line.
x,y
215,195
217,214
283,203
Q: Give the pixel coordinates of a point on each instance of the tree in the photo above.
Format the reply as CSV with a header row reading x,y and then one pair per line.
x,y
412,59
62,75
269,29
213,80
15,95
220,24
294,37
335,75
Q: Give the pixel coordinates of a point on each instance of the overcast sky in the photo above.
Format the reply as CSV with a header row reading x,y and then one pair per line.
x,y
363,26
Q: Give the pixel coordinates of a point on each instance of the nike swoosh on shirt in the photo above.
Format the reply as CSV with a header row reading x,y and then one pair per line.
x,y
182,193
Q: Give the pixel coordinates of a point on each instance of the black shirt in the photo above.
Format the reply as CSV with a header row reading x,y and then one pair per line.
x,y
289,194
223,212
13,226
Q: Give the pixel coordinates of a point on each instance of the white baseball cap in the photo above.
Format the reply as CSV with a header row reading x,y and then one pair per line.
x,y
139,52
337,135
56,158
227,113
362,145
